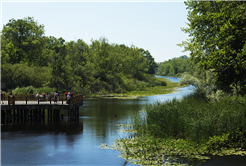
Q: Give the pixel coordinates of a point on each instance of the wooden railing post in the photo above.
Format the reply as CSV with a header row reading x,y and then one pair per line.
x,y
62,100
38,99
9,101
4,96
26,98
50,98
13,100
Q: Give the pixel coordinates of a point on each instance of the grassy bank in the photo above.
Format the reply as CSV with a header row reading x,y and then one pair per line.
x,y
164,86
186,132
135,89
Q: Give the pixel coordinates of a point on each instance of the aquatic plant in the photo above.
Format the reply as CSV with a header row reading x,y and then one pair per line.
x,y
184,132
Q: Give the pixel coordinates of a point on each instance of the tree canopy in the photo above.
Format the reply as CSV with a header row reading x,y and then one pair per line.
x,y
176,66
29,58
218,40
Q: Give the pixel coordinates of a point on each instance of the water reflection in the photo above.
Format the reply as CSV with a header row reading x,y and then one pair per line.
x,y
173,79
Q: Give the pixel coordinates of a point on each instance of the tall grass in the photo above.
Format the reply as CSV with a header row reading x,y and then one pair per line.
x,y
186,132
193,118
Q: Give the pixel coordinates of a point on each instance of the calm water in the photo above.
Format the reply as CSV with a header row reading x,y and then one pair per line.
x,y
66,143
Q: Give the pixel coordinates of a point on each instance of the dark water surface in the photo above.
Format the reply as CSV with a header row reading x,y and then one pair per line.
x,y
64,143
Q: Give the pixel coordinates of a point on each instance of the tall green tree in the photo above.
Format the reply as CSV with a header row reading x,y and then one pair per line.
x,y
218,40
152,64
23,40
59,67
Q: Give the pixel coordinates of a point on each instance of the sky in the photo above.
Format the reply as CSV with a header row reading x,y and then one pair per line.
x,y
151,25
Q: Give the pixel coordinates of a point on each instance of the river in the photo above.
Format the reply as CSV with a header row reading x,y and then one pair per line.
x,y
64,143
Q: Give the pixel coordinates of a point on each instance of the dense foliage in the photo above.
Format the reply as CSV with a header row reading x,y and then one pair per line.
x,y
176,67
29,58
217,40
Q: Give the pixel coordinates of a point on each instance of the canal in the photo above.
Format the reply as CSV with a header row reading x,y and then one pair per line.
x,y
64,143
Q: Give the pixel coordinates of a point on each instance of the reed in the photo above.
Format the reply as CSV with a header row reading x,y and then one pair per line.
x,y
192,118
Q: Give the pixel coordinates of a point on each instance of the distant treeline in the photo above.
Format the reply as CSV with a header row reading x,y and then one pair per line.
x,y
29,58
176,66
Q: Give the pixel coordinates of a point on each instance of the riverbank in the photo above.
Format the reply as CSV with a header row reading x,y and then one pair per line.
x,y
185,132
157,87
171,87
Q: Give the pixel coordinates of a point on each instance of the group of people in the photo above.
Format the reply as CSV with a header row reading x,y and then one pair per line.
x,y
68,97
47,96
44,96
67,94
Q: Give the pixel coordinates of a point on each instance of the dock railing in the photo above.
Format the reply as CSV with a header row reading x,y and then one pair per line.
x,y
32,97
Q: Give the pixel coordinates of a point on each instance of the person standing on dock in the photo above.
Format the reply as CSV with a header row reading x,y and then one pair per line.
x,y
47,95
58,95
55,97
68,98
44,96
66,95
38,96
2,97
10,93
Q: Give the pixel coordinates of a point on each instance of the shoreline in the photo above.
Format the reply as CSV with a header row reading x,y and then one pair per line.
x,y
151,91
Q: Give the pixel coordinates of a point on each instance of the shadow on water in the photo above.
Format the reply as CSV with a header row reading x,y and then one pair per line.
x,y
226,161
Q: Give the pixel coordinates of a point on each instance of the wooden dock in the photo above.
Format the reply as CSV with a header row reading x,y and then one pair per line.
x,y
25,108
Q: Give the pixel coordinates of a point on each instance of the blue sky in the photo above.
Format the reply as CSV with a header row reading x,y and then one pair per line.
x,y
153,26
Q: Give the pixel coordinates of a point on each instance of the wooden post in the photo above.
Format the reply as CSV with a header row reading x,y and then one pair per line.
x,y
13,115
38,99
50,99
9,101
4,96
21,115
62,100
26,99
43,115
31,114
68,116
13,100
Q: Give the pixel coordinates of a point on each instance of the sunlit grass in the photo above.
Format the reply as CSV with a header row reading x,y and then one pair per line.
x,y
157,90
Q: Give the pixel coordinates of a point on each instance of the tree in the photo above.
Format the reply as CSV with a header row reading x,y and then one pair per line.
x,y
152,64
218,40
23,40
59,67
77,57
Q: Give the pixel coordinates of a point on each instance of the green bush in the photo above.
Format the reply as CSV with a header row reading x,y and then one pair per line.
x,y
234,139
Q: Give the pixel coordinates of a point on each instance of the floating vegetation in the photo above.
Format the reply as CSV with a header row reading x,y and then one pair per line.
x,y
126,130
153,151
124,125
143,151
